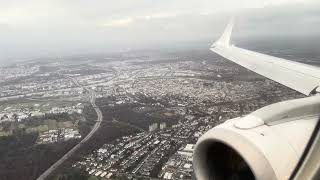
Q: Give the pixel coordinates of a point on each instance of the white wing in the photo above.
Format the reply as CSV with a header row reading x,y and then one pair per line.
x,y
300,77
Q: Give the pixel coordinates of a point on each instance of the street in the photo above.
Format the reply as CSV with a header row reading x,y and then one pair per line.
x,y
53,167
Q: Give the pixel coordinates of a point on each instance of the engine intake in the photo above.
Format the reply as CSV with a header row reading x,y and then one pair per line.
x,y
264,145
224,162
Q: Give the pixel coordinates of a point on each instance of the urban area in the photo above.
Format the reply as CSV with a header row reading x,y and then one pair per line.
x,y
134,115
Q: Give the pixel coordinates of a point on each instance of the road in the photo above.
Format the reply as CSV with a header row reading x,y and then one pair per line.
x,y
53,167
142,162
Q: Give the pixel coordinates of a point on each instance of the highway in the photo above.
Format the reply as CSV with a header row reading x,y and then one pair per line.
x,y
53,167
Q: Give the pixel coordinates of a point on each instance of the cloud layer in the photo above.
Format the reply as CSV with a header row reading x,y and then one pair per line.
x,y
58,27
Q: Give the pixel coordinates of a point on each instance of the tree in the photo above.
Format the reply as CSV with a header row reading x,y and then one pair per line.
x,y
74,174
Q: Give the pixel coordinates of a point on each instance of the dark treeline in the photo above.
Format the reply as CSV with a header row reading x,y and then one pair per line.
x,y
20,158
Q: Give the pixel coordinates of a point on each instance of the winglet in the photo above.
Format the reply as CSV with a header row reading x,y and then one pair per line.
x,y
224,40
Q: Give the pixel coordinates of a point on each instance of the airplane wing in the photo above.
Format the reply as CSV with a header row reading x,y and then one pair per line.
x,y
298,76
267,143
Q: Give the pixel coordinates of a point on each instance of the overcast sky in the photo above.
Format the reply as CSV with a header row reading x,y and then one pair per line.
x,y
31,28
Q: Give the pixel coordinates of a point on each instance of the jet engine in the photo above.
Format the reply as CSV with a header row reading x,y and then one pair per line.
x,y
265,144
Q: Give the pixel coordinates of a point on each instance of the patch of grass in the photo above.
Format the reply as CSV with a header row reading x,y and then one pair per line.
x,y
67,124
21,126
40,128
5,133
52,124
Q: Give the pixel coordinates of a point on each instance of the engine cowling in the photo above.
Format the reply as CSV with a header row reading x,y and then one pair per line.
x,y
265,144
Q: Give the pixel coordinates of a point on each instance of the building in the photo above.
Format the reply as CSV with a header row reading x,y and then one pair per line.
x,y
163,125
153,127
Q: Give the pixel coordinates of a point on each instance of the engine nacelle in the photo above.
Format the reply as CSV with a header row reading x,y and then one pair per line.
x,y
265,144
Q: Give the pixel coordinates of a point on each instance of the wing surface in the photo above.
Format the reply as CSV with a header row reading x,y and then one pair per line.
x,y
298,76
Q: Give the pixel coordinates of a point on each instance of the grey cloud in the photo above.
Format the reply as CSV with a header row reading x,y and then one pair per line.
x,y
71,27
